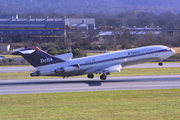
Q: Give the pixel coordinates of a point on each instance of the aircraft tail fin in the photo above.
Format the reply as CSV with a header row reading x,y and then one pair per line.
x,y
37,57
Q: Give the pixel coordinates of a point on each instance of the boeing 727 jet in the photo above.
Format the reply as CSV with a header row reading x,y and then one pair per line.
x,y
63,65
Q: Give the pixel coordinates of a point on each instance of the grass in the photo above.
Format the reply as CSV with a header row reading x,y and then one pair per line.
x,y
14,56
11,56
91,54
14,65
124,72
176,56
143,63
99,105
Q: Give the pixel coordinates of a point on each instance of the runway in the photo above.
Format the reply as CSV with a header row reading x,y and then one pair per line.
x,y
85,84
30,68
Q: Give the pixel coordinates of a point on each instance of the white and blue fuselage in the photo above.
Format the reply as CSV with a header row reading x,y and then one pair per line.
x,y
106,63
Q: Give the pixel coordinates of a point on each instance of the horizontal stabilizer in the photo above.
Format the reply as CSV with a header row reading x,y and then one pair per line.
x,y
37,57
65,57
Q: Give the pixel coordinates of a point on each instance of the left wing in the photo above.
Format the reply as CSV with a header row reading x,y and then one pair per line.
x,y
109,69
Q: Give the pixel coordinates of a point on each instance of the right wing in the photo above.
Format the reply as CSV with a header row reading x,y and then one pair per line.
x,y
109,69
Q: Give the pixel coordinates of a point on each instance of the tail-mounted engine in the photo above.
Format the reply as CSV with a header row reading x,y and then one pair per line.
x,y
44,72
67,69
37,73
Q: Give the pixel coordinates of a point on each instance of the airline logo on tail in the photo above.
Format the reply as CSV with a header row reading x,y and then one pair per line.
x,y
46,60
37,57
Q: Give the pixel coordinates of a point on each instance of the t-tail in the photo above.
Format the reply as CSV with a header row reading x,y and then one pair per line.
x,y
37,57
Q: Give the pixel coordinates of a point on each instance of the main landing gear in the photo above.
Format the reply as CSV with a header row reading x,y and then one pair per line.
x,y
102,77
90,76
160,64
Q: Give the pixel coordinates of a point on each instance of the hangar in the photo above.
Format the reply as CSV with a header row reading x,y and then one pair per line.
x,y
15,29
80,23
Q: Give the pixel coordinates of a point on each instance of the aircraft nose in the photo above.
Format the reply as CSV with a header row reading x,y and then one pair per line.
x,y
172,51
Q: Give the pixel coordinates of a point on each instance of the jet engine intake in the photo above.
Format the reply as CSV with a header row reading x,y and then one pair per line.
x,y
37,73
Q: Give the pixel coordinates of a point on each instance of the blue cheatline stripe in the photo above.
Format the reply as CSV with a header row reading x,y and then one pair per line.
x,y
118,58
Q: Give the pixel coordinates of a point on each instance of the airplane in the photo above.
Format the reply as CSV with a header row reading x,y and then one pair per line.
x,y
63,65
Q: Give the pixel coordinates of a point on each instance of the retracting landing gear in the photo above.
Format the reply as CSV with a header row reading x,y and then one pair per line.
x,y
90,76
160,64
103,77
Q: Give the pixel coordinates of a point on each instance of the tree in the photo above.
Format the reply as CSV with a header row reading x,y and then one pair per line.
x,y
52,51
78,53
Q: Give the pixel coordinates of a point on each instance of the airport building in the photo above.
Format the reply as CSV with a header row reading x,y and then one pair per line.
x,y
14,29
80,23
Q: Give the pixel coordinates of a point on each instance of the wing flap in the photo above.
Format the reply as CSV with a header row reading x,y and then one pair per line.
x,y
114,68
109,69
